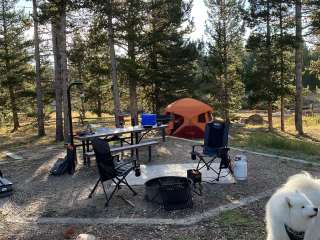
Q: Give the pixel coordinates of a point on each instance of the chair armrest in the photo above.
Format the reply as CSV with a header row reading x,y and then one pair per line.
x,y
117,166
197,145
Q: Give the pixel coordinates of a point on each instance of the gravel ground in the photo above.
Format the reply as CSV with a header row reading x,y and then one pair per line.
x,y
245,223
39,195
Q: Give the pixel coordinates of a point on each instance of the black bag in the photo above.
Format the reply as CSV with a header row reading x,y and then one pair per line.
x,y
67,164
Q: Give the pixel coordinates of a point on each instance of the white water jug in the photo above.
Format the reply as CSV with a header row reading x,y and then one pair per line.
x,y
240,170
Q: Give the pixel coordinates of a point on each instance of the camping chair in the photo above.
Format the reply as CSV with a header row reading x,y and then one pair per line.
x,y
214,147
108,169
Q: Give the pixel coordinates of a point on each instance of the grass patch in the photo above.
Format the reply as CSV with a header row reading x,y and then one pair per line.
x,y
270,140
236,218
277,143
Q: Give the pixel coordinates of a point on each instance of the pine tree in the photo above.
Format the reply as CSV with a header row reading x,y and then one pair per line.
x,y
283,47
98,82
168,59
266,87
14,57
310,78
225,29
40,115
77,59
131,18
106,10
298,67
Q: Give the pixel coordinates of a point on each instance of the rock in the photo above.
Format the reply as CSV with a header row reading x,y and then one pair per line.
x,y
84,236
254,119
13,156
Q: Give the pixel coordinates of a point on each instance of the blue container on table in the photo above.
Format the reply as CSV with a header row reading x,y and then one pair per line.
x,y
148,120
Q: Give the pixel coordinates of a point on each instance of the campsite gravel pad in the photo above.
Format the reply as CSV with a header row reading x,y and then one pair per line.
x,y
37,194
245,223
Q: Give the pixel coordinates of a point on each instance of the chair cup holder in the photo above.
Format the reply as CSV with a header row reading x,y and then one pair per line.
x,y
137,172
193,156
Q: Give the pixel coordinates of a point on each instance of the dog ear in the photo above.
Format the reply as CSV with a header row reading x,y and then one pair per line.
x,y
288,202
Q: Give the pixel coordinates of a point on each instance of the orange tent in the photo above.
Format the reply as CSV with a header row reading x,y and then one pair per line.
x,y
189,118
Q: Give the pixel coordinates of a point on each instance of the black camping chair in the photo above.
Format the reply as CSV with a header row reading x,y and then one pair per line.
x,y
108,169
214,147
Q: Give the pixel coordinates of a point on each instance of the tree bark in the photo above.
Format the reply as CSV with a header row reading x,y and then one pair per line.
x,y
281,70
40,115
57,82
99,104
269,68
225,64
14,108
298,68
82,111
64,69
132,74
282,113
132,85
115,90
270,120
154,66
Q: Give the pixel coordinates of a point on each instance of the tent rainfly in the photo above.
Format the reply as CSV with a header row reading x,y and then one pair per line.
x,y
189,118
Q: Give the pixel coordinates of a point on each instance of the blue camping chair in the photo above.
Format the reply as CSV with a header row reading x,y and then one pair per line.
x,y
214,148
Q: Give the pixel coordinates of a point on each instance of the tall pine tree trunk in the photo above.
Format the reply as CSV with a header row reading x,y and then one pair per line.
x,y
298,68
154,66
132,73
225,63
99,95
64,69
132,83
270,122
14,109
281,70
57,82
115,90
99,106
60,72
269,67
282,113
82,111
40,115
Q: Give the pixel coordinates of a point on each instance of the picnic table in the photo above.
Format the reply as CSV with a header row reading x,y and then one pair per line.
x,y
137,133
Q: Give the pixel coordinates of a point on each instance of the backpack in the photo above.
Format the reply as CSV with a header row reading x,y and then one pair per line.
x,y
61,166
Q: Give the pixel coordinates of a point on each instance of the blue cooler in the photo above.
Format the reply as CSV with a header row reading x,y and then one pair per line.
x,y
148,120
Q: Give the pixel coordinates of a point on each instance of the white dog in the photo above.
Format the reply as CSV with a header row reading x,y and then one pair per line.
x,y
291,209
288,211
311,187
313,230
306,184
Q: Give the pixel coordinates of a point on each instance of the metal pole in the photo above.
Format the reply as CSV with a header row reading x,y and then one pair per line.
x,y
69,109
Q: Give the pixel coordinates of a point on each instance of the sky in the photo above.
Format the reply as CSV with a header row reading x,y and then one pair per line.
x,y
198,14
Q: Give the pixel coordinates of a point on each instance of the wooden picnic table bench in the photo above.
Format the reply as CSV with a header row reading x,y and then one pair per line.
x,y
137,133
121,149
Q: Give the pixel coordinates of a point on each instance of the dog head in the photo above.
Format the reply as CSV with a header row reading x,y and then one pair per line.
x,y
301,211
